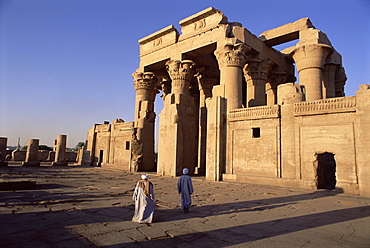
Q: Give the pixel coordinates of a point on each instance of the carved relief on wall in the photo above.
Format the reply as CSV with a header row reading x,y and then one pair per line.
x,y
157,42
200,24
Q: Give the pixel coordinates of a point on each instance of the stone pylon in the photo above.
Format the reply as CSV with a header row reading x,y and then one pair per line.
x,y
3,142
32,153
60,151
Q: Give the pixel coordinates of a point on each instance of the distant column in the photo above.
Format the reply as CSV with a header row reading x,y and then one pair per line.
x,y
206,81
310,60
256,74
60,151
340,81
328,90
3,142
231,59
146,86
32,153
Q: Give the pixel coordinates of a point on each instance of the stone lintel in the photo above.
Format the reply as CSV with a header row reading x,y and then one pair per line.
x,y
285,33
162,38
201,22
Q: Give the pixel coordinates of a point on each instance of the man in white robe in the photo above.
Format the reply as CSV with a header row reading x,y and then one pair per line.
x,y
185,188
144,201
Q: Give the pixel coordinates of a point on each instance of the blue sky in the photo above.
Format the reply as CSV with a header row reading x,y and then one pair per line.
x,y
67,64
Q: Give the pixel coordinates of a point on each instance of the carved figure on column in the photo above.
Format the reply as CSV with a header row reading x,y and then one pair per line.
x,y
137,152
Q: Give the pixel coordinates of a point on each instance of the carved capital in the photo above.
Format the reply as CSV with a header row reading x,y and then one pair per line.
x,y
207,79
180,70
232,55
145,80
257,69
311,56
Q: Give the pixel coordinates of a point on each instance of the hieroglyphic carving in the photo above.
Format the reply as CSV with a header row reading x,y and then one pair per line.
x,y
255,112
340,103
200,24
157,42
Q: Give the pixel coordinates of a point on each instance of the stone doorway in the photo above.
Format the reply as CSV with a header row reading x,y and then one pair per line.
x,y
325,170
100,161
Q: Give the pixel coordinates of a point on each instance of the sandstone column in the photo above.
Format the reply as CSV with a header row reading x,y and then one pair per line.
x,y
329,80
3,142
310,61
32,153
60,151
145,84
363,138
206,80
340,81
256,74
275,78
177,146
231,59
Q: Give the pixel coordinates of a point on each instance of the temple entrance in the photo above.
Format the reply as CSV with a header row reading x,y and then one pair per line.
x,y
101,152
325,171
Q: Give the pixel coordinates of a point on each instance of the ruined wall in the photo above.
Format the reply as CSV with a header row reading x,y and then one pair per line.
x,y
254,141
109,144
120,149
323,126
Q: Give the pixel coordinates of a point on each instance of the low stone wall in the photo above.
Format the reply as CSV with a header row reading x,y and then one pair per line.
x,y
20,155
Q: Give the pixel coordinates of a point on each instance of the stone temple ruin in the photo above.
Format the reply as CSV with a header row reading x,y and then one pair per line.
x,y
233,112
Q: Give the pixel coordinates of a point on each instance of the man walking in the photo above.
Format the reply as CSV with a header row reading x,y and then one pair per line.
x,y
185,188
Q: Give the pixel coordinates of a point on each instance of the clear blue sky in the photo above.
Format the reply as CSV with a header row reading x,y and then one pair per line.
x,y
67,64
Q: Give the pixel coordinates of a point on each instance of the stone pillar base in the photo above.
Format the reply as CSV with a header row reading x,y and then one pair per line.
x,y
60,163
31,164
3,164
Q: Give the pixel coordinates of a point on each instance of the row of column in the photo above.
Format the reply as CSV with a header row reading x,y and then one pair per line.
x,y
319,79
32,152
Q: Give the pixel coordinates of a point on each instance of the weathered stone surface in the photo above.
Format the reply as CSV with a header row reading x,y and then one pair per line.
x,y
242,118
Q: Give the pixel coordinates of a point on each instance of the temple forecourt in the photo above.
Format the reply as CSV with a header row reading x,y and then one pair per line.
x,y
233,110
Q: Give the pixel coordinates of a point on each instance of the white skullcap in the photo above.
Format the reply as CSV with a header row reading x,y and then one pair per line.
x,y
185,171
145,176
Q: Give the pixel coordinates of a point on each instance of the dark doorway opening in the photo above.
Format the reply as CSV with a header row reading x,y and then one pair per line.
x,y
100,157
325,171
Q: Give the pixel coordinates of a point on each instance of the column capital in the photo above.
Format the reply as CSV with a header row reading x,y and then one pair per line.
x,y
232,55
257,69
145,80
311,56
180,70
207,79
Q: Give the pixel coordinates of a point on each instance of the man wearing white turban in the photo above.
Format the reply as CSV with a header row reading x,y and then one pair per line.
x,y
144,201
185,188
